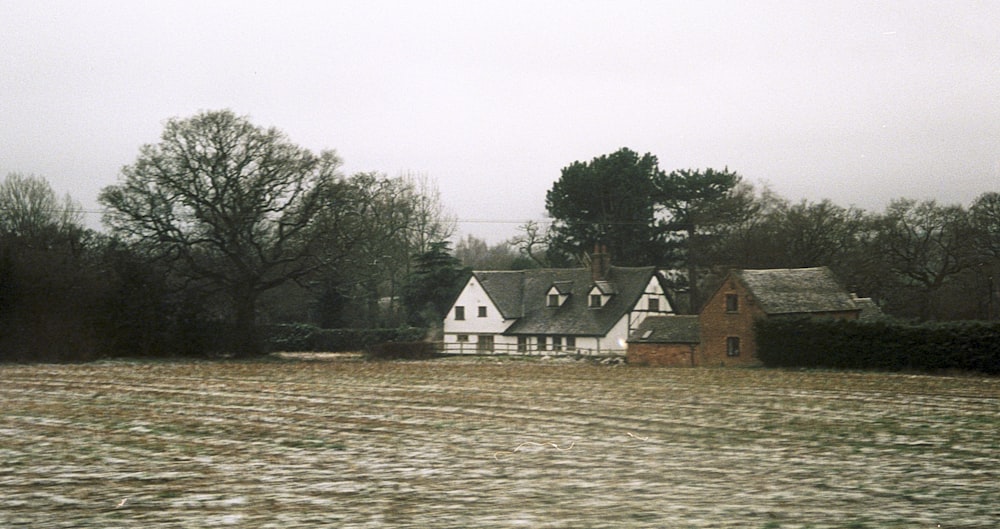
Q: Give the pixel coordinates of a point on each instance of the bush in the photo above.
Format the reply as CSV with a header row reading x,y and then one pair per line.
x,y
401,351
304,337
966,346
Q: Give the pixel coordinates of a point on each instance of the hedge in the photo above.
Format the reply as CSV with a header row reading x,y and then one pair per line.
x,y
303,337
402,351
887,346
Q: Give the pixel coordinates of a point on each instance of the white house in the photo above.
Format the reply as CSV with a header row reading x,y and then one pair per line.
x,y
584,309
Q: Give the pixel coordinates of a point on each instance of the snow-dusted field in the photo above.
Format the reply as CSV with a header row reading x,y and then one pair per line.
x,y
471,443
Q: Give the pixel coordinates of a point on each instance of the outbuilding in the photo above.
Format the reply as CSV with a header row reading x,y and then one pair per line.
x,y
725,325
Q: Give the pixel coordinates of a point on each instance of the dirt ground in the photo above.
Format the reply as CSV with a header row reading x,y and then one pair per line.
x,y
335,442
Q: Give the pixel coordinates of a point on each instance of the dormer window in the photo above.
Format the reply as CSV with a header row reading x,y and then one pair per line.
x,y
558,293
595,301
600,294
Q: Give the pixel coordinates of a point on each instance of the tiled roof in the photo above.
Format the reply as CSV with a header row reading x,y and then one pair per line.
x,y
521,295
606,287
563,287
667,329
505,289
796,290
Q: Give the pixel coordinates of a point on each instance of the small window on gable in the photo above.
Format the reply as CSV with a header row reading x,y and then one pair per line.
x,y
553,300
653,304
482,312
459,312
595,301
732,303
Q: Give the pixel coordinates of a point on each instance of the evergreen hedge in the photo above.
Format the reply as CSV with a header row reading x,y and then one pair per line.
x,y
882,345
304,337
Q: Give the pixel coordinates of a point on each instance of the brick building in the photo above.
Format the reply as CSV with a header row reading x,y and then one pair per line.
x,y
665,341
725,323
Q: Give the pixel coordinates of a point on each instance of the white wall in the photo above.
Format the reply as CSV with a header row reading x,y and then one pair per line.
x,y
472,297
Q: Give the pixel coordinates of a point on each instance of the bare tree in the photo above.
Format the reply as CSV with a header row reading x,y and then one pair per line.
x,y
233,206
475,253
30,210
985,215
985,218
49,283
429,222
533,242
925,245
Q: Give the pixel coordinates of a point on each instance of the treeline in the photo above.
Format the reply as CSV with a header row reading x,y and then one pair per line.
x,y
224,233
68,293
918,259
880,345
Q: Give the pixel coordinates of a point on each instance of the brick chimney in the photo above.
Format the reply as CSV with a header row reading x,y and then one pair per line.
x,y
600,263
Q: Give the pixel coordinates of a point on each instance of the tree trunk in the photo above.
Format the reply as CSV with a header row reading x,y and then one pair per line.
x,y
246,342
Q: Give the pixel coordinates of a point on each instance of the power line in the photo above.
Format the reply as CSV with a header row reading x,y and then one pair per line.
x,y
503,221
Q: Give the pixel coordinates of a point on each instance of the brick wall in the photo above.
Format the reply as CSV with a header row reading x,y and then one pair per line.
x,y
718,324
660,354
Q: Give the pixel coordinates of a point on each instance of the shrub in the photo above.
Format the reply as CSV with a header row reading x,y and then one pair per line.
x,y
401,351
967,346
304,337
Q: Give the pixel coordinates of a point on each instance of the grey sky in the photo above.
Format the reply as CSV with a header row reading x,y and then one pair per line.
x,y
859,102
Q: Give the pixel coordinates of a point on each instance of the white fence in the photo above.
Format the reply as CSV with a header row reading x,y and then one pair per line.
x,y
472,348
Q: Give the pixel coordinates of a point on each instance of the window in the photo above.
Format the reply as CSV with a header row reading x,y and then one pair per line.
x,y
553,300
653,304
459,312
595,301
484,343
462,337
482,312
541,343
557,343
732,303
732,346
522,344
570,343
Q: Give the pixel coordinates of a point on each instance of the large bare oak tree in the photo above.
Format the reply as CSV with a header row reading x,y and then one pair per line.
x,y
231,206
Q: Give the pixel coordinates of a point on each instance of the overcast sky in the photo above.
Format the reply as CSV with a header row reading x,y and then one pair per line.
x,y
858,102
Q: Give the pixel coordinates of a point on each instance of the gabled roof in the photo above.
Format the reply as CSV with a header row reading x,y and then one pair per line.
x,y
796,290
606,287
505,288
668,329
521,295
563,287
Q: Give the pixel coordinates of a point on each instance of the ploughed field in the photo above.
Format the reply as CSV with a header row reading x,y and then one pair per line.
x,y
335,442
